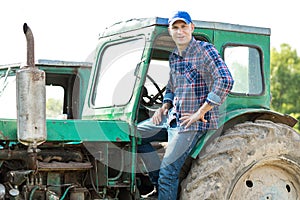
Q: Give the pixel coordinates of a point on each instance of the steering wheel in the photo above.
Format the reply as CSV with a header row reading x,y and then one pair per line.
x,y
157,98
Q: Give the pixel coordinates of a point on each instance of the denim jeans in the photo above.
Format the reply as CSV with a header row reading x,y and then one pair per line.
x,y
165,173
150,132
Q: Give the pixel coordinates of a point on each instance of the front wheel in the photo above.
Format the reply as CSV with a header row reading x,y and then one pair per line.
x,y
259,160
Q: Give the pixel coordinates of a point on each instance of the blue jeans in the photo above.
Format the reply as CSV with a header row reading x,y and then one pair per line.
x,y
165,174
150,132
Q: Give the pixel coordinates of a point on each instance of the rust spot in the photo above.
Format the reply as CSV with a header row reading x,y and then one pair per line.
x,y
2,136
118,139
37,75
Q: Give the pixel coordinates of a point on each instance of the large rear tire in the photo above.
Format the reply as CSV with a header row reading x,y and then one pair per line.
x,y
259,160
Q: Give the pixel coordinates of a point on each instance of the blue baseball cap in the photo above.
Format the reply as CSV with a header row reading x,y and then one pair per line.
x,y
180,15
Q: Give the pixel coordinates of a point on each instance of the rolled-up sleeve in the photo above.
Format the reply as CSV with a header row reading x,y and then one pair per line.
x,y
169,96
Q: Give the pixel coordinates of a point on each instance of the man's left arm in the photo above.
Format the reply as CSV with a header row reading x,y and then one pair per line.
x,y
223,81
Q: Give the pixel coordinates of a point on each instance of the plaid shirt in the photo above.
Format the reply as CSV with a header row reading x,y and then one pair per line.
x,y
197,76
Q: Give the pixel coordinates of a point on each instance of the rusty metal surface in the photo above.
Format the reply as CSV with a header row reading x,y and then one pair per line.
x,y
58,166
30,45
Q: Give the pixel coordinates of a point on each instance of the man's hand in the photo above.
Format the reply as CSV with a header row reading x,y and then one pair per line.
x,y
157,117
188,119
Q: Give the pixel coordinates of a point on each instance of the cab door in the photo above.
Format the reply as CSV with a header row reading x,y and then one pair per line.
x,y
245,50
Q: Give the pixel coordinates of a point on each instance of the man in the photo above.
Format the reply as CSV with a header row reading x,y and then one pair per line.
x,y
199,82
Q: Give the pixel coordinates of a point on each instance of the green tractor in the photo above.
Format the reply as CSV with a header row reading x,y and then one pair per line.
x,y
68,130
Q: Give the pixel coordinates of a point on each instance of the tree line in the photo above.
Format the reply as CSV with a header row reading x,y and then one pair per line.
x,y
285,81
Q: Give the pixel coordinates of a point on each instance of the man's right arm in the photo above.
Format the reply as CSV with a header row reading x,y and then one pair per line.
x,y
167,103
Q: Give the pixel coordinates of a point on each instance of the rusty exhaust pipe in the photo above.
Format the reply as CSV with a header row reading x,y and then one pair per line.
x,y
31,99
30,45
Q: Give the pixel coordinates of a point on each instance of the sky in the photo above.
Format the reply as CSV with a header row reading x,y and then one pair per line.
x,y
68,30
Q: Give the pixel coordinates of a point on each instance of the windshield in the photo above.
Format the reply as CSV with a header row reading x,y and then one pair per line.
x,y
116,77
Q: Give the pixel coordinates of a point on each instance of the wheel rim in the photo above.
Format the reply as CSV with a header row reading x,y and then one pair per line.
x,y
273,179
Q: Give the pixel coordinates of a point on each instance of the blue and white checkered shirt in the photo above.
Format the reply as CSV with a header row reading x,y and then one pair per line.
x,y
199,75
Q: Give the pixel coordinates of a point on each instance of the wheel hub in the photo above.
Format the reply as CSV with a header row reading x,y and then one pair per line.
x,y
268,181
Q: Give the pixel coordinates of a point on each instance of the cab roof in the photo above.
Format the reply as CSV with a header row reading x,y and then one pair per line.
x,y
46,62
134,24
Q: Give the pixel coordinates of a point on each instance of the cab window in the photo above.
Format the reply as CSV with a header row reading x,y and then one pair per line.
x,y
245,66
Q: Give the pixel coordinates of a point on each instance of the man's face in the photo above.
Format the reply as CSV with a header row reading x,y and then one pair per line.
x,y
181,33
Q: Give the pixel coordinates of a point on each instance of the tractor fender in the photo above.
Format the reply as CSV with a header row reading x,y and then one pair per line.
x,y
237,117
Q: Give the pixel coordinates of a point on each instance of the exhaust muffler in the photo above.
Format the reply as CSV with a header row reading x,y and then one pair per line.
x,y
31,99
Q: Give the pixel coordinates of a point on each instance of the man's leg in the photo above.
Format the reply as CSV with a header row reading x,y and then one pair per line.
x,y
177,151
150,132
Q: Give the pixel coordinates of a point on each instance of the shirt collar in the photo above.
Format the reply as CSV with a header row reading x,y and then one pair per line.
x,y
184,52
